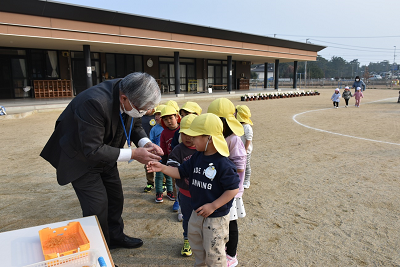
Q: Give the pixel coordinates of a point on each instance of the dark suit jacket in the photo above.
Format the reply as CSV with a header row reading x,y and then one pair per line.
x,y
82,138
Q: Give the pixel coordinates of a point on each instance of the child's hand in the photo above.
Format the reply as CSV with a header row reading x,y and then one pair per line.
x,y
154,166
206,210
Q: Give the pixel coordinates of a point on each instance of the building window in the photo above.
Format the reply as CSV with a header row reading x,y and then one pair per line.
x,y
120,65
44,64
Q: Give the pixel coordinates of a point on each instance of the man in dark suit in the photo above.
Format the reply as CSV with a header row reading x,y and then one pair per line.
x,y
88,141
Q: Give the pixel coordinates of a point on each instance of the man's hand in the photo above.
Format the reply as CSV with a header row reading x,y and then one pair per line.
x,y
144,155
154,149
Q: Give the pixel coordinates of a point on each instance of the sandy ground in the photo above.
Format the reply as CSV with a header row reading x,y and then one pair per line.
x,y
316,198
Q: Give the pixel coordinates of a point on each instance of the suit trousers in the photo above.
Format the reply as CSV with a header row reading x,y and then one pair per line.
x,y
100,193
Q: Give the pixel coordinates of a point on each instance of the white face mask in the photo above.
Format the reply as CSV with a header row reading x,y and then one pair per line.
x,y
133,112
357,80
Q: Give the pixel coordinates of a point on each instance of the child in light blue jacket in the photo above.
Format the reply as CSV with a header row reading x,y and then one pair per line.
x,y
336,98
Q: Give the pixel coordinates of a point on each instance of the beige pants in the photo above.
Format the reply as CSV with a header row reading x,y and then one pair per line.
x,y
207,237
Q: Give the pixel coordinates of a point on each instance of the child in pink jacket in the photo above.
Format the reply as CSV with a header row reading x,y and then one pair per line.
x,y
358,95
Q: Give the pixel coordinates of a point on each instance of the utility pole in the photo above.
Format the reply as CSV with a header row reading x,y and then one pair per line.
x,y
394,60
305,70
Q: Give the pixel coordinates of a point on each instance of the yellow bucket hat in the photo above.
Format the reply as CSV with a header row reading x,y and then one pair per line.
x,y
186,122
243,114
158,109
192,107
223,107
172,103
209,124
168,110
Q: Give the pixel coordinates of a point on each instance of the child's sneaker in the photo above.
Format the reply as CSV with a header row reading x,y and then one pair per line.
x,y
231,261
159,197
148,188
171,196
186,249
175,207
246,184
180,217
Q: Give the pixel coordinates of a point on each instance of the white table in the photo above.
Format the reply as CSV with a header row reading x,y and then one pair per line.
x,y
22,247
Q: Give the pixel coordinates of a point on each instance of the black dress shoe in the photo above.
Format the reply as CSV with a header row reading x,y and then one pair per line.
x,y
126,242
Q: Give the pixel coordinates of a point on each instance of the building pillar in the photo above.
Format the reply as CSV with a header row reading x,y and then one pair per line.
x,y
229,73
295,75
177,73
266,75
88,64
276,74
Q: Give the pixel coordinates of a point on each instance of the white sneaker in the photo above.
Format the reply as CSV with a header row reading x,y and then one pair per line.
x,y
246,184
180,217
345,106
231,261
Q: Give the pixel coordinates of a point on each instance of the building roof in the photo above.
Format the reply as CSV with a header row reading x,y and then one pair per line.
x,y
66,11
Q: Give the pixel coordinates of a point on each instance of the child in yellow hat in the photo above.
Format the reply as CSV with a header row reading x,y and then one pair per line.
x,y
154,136
243,115
213,184
225,109
181,153
169,120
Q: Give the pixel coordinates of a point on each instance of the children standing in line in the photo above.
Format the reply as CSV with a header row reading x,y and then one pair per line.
x,y
170,121
181,153
346,95
232,129
213,184
336,98
243,115
358,95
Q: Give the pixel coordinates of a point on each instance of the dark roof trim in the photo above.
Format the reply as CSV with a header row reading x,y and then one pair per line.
x,y
60,10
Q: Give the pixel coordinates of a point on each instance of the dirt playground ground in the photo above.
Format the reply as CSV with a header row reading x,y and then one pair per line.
x,y
324,188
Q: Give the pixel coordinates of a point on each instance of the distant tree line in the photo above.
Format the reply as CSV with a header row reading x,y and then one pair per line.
x,y
337,67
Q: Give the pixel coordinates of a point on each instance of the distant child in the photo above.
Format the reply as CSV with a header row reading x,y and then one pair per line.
x,y
336,98
154,136
358,95
225,109
186,109
358,83
181,153
213,184
243,115
170,123
148,122
346,95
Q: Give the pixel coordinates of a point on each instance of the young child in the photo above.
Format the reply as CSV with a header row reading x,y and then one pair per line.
x,y
232,129
336,98
181,153
243,115
148,122
187,108
346,95
154,136
170,123
172,103
358,95
213,184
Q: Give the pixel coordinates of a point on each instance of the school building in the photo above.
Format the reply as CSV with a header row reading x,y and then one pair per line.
x,y
51,50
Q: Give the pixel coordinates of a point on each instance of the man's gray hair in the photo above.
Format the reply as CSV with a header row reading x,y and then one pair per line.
x,y
141,89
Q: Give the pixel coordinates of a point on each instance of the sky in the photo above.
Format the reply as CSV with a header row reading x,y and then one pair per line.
x,y
352,29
